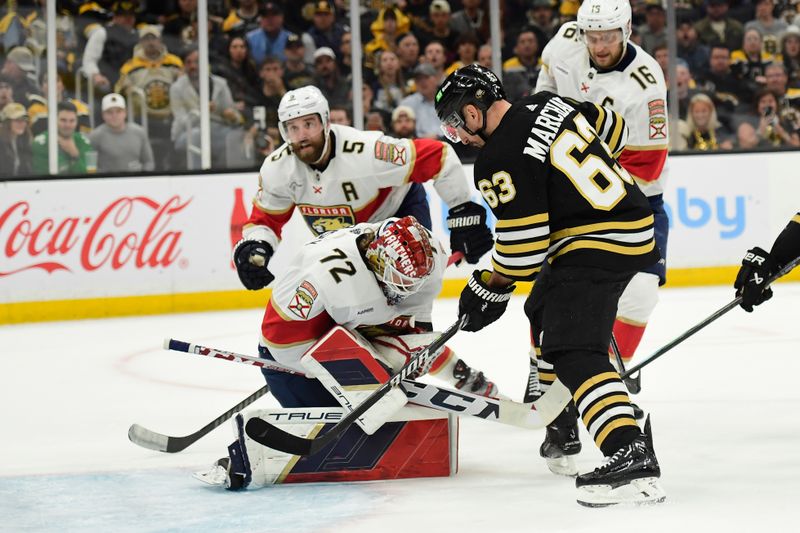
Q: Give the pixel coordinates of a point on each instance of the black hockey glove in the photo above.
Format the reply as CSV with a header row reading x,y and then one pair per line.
x,y
757,267
251,259
469,233
482,304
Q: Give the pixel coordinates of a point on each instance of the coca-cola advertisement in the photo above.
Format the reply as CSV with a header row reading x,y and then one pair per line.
x,y
67,239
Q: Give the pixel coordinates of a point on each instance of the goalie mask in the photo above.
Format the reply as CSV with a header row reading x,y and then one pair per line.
x,y
401,257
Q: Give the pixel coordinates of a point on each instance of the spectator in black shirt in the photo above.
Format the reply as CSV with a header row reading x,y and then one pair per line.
x,y
241,73
296,72
690,49
325,30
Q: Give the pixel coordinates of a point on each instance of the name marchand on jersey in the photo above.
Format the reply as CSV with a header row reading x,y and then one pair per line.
x,y
564,198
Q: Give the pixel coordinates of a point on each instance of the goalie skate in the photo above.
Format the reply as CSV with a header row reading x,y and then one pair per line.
x,y
561,443
630,476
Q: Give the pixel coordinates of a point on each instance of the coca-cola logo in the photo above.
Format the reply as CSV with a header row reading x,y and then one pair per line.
x,y
131,230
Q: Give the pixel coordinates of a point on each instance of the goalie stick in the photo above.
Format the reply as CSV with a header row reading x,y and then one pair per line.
x,y
152,440
706,321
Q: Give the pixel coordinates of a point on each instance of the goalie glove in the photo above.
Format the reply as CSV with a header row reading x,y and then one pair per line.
x,y
469,233
481,303
251,259
751,281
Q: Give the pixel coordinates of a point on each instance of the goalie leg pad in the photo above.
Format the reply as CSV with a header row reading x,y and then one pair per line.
x,y
347,367
416,442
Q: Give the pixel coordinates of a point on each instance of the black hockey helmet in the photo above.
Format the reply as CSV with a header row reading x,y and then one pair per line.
x,y
472,84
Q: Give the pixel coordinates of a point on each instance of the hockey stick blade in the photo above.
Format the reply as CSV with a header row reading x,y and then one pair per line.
x,y
633,384
706,321
274,437
141,436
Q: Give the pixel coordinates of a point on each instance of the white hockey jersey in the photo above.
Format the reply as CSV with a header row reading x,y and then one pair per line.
x,y
635,89
366,180
329,284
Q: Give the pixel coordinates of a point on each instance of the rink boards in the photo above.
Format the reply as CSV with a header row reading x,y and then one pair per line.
x,y
96,247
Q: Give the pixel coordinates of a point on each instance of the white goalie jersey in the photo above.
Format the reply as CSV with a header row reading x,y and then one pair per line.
x,y
366,180
329,284
635,89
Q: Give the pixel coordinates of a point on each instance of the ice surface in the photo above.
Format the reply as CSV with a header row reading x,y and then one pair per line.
x,y
724,407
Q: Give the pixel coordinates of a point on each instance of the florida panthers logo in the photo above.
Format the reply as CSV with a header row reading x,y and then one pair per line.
x,y
324,219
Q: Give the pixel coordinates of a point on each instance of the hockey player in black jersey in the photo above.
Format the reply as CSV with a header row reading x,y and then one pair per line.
x,y
571,218
758,266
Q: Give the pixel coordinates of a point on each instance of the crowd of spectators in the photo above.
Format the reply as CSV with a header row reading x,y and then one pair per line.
x,y
128,85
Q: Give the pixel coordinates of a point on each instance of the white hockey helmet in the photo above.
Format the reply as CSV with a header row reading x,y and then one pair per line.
x,y
604,15
401,257
306,100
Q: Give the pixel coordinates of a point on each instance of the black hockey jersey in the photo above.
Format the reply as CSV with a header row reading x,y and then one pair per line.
x,y
549,174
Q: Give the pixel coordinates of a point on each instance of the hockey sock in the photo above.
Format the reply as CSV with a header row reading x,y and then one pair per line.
x,y
628,335
600,396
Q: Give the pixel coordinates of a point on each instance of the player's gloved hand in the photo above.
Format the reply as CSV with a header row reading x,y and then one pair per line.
x,y
251,259
469,233
757,267
482,304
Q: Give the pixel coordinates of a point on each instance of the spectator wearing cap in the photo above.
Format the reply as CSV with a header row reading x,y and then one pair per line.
x,y
177,23
269,39
152,70
15,141
654,31
471,19
390,23
110,45
37,110
690,49
327,77
717,26
768,26
121,146
241,73
73,146
521,71
421,102
296,72
325,31
542,17
242,19
440,29
404,122
21,74
184,100
790,53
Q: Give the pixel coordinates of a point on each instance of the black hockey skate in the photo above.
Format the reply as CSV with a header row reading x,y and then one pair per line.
x,y
629,476
562,442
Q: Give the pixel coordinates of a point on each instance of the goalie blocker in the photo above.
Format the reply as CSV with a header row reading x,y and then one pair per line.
x,y
389,441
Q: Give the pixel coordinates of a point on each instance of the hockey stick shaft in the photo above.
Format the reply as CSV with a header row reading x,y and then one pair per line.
x,y
152,440
632,384
706,321
458,402
273,437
